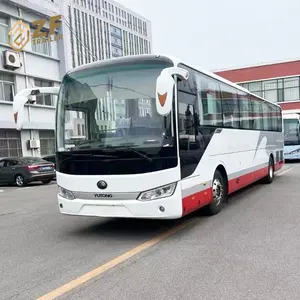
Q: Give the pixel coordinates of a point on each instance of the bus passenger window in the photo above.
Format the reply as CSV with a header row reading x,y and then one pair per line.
x,y
230,107
210,102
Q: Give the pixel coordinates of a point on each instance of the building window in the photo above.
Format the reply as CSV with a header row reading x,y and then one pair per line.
x,y
270,90
3,29
47,142
43,99
291,88
40,45
7,87
255,86
10,143
271,95
276,90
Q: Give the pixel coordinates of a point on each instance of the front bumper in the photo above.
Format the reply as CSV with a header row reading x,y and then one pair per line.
x,y
41,177
164,208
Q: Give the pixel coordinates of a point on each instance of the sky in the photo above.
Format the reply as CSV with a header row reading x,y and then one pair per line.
x,y
220,34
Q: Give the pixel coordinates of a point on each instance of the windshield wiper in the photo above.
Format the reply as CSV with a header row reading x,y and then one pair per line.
x,y
139,153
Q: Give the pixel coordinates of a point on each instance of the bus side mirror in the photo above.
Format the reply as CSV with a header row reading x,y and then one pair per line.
x,y
18,106
21,99
165,88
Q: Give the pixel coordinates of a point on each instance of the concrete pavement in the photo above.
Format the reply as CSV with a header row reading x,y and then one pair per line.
x,y
249,251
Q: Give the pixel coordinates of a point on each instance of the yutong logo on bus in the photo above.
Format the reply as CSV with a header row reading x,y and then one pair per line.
x,y
103,195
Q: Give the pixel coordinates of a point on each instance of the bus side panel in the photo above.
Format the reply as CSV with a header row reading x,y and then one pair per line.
x,y
195,195
244,154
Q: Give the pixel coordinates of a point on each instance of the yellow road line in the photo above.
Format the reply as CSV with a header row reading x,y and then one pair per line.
x,y
116,261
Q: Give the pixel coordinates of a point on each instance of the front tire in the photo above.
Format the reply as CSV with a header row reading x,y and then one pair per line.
x,y
219,191
269,178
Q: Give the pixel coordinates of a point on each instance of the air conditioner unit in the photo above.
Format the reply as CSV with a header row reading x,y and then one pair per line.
x,y
34,144
11,60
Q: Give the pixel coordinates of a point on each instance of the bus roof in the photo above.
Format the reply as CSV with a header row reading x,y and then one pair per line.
x,y
167,58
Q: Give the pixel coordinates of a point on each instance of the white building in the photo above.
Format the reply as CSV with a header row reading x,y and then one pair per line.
x,y
92,30
97,30
102,29
40,65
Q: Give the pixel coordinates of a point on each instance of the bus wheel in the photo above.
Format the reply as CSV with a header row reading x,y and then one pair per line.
x,y
219,191
269,178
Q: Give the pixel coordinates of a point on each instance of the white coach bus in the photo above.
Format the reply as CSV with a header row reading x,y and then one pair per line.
x,y
161,138
291,131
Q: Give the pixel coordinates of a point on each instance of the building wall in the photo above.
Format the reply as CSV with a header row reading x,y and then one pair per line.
x,y
262,72
276,82
40,65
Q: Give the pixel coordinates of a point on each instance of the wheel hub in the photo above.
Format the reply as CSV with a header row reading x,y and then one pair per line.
x,y
218,191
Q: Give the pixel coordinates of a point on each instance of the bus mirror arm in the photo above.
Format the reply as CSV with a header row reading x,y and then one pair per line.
x,y
21,98
165,88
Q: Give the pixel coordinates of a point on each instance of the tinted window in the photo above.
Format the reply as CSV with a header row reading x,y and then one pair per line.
x,y
265,116
193,138
32,160
210,102
245,110
273,117
186,114
230,107
222,105
2,163
257,113
10,163
50,158
279,119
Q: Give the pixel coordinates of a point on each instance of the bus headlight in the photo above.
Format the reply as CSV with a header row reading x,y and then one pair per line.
x,y
157,193
65,193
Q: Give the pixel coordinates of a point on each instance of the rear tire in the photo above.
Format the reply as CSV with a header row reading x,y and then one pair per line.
x,y
46,181
219,190
20,180
269,178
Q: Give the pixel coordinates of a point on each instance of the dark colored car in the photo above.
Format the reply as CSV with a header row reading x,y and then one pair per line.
x,y
50,158
22,170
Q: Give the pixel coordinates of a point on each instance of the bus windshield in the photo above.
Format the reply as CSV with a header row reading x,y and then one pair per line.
x,y
114,107
291,133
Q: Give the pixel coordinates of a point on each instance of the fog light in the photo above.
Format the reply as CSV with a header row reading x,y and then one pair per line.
x,y
161,208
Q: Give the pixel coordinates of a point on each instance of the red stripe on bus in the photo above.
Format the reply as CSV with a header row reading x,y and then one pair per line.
x,y
244,180
195,201
279,165
200,199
